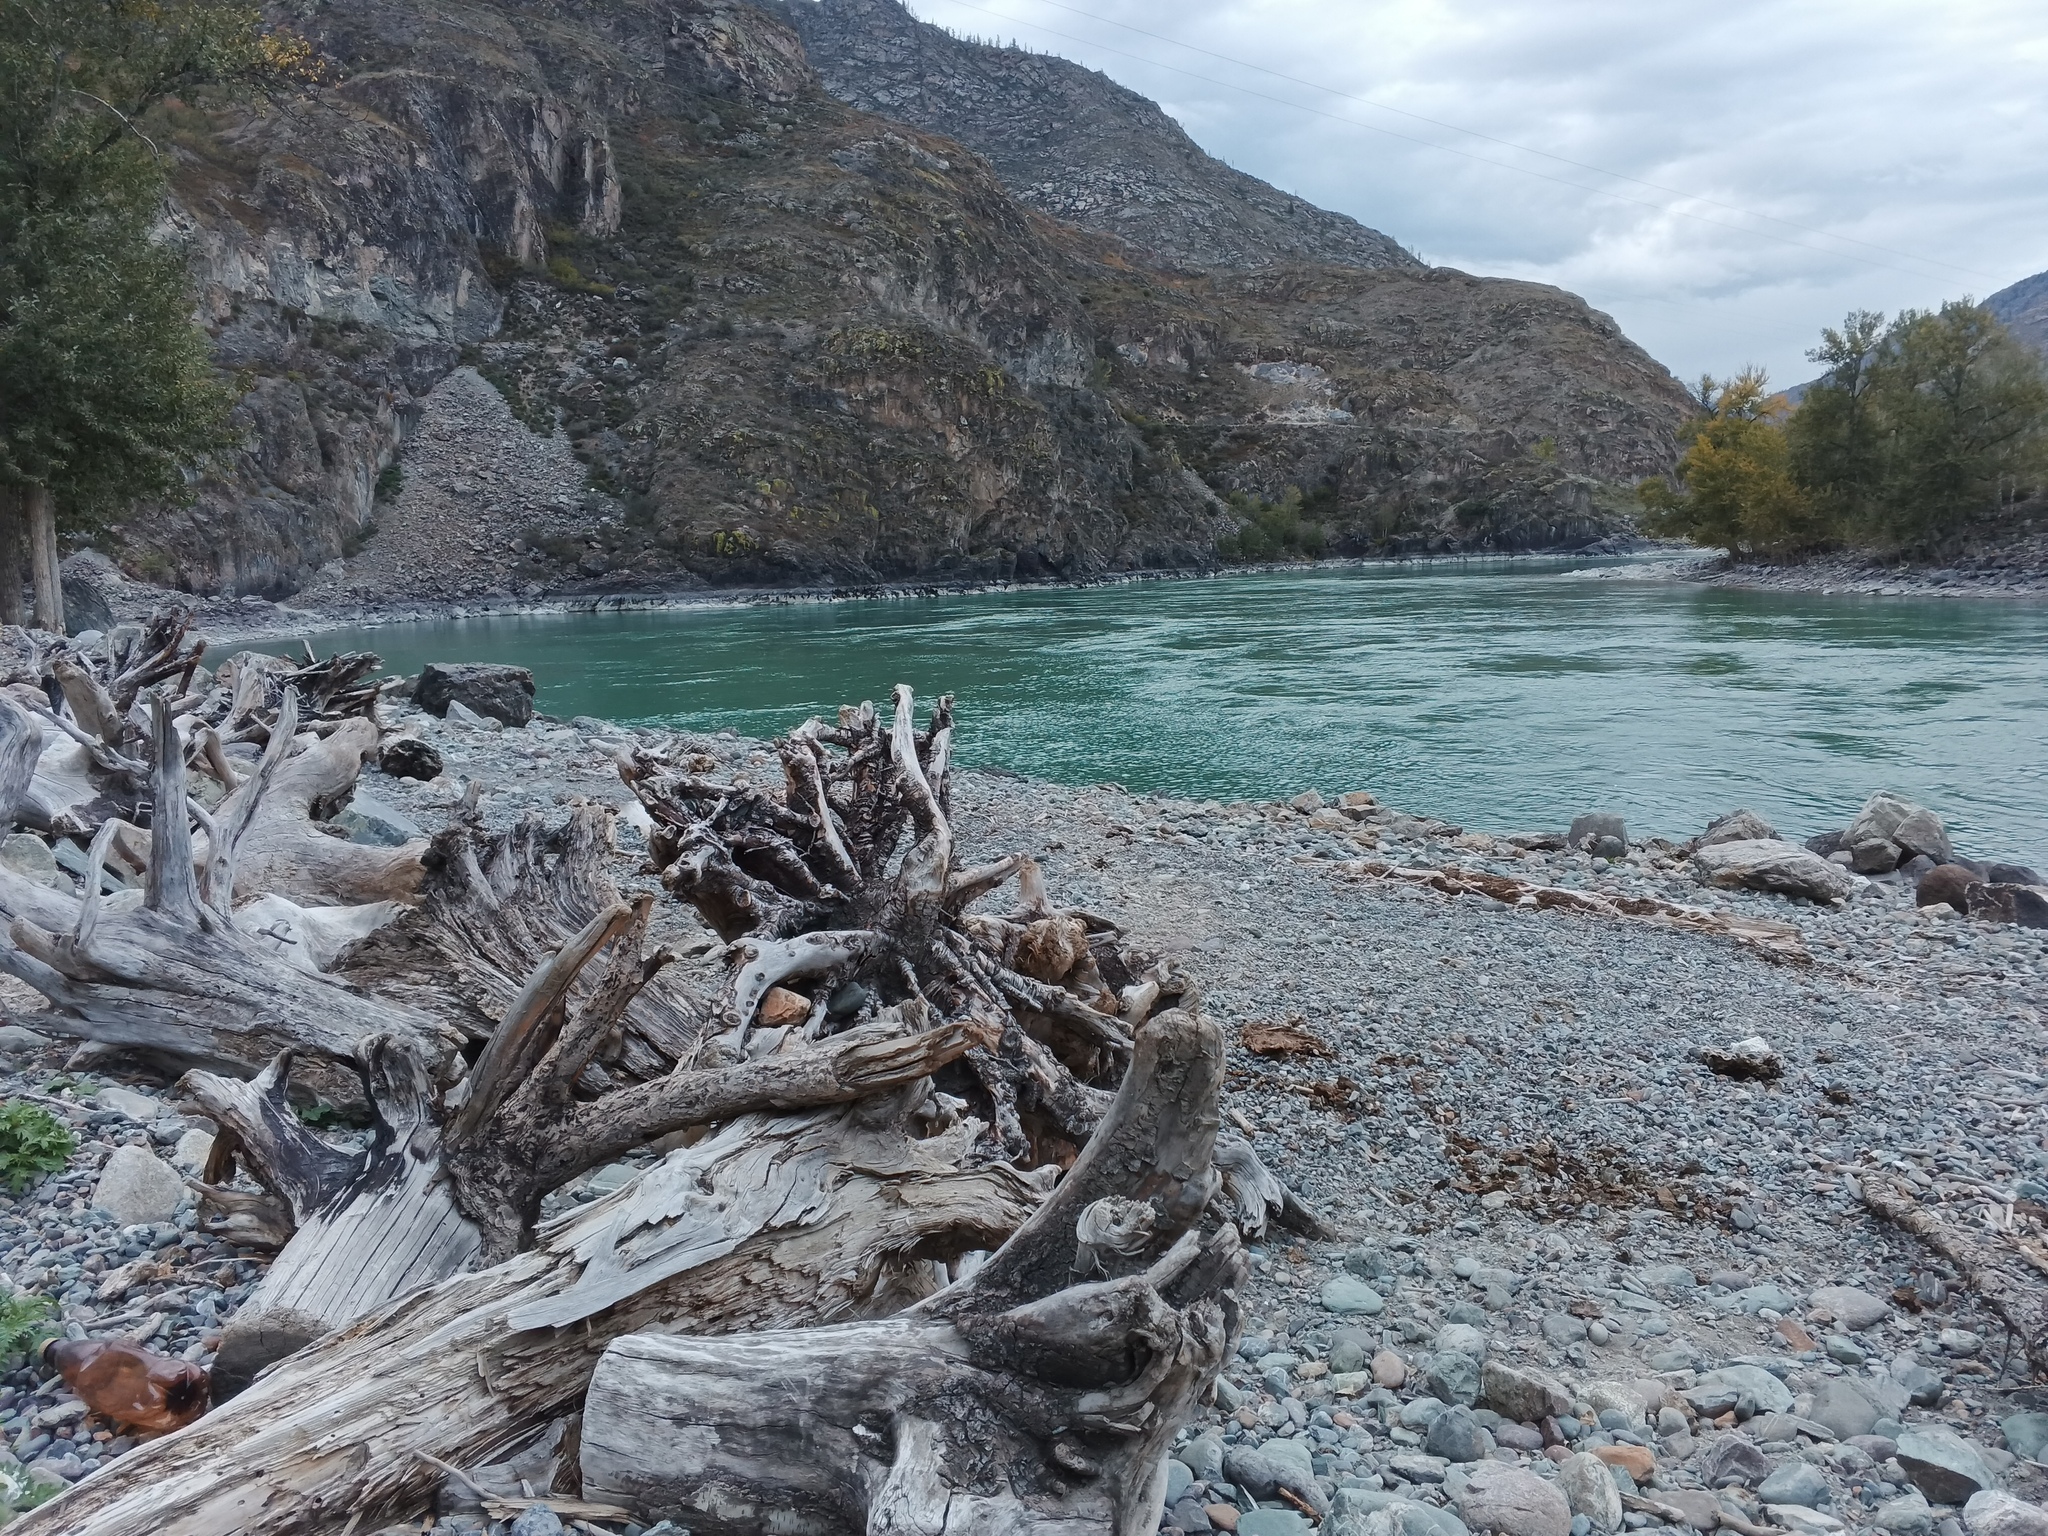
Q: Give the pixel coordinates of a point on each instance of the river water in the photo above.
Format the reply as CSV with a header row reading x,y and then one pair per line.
x,y
1506,696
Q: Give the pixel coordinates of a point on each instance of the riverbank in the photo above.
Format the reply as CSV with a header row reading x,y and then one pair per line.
x,y
2012,566
1501,1110
250,620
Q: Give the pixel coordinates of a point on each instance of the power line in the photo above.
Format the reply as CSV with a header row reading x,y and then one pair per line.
x,y
1519,170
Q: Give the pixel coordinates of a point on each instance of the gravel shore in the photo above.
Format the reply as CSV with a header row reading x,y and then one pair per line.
x,y
1511,1133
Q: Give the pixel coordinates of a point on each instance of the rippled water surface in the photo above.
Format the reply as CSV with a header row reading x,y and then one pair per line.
x,y
1501,696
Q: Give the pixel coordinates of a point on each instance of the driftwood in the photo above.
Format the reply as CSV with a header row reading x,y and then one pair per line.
x,y
166,972
1770,938
1992,1269
1017,1401
770,1222
883,1089
806,883
487,908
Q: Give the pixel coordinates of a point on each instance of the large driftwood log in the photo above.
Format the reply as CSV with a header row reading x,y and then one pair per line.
x,y
769,1222
167,973
1032,1399
447,1183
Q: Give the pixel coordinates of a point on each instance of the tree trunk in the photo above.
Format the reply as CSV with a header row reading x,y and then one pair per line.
x,y
1016,1402
13,554
42,540
770,1222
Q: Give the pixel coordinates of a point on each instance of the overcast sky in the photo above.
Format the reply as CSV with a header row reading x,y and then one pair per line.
x,y
1919,130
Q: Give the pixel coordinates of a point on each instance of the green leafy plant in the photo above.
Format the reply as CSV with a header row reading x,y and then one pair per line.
x,y
33,1142
25,1321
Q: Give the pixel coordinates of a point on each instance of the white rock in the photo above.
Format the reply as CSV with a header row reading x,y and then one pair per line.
x,y
1590,1490
191,1152
1761,864
138,1186
141,1107
1801,1521
1991,1513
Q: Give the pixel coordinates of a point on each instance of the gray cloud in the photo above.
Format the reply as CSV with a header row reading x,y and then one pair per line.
x,y
1912,127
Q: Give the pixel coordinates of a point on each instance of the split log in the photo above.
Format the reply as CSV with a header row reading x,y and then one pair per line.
x,y
282,852
447,1182
770,1222
1017,1401
21,748
1772,939
487,907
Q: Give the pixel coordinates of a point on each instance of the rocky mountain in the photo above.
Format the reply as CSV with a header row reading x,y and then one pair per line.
x,y
1072,143
792,341
2023,308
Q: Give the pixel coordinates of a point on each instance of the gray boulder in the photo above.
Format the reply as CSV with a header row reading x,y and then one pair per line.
x,y
1733,1459
1992,1513
1794,1482
1943,1465
1782,868
86,580
1501,1498
496,692
1851,1308
1924,835
378,823
1905,1516
32,858
1737,827
1453,1376
1718,1391
1845,1408
1457,1436
1909,828
1589,829
1370,1512
1204,1456
1525,1396
137,1186
16,1041
1589,1490
1271,1467
1350,1296
2026,1434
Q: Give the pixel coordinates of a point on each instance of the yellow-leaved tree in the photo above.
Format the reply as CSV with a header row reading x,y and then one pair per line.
x,y
1735,486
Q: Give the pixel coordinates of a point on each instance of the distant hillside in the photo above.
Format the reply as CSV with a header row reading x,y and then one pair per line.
x,y
2024,309
1073,143
2021,308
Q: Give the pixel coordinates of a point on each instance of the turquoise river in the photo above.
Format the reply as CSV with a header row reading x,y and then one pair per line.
x,y
1503,695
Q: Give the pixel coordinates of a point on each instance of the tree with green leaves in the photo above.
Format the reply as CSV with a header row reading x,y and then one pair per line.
x,y
1961,414
1916,433
1833,436
107,394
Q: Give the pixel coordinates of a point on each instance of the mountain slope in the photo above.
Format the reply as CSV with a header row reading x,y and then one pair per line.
x,y
793,342
1073,143
2023,309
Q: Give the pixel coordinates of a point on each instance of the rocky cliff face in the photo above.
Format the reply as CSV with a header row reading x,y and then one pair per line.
x,y
1073,143
793,341
2023,308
